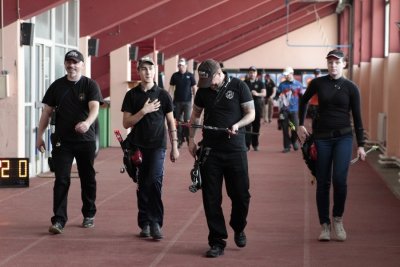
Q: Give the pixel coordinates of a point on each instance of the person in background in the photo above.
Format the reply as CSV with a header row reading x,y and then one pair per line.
x,y
258,92
73,101
269,98
183,87
227,104
333,136
289,92
145,109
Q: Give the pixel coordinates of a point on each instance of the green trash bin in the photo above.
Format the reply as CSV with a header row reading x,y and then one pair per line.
x,y
104,125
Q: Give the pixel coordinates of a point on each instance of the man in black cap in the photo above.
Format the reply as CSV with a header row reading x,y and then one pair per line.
x,y
258,91
146,107
73,104
182,87
227,105
268,100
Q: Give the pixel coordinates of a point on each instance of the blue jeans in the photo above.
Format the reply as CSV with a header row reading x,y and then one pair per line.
x,y
183,110
151,173
333,160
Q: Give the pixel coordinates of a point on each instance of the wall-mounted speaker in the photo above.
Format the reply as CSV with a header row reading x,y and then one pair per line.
x,y
160,58
133,52
27,33
93,47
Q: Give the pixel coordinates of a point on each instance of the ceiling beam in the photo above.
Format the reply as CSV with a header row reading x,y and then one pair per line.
x,y
148,24
247,33
276,31
26,9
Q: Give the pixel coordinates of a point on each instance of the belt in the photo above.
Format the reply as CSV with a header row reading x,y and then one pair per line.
x,y
333,133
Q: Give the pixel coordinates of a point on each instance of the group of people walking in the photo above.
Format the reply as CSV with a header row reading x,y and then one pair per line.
x,y
218,101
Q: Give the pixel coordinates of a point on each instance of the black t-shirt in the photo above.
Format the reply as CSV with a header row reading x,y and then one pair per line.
x,y
257,86
336,99
150,131
222,109
270,87
183,83
71,100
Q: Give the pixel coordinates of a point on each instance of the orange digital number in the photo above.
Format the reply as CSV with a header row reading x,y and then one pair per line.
x,y
5,168
23,168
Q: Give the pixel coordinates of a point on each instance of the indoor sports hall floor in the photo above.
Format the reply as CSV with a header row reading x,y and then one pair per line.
x,y
282,223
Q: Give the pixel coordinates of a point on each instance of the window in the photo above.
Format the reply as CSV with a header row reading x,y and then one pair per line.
x,y
43,26
387,20
60,24
73,17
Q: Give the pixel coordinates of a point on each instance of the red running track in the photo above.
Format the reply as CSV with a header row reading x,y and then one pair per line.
x,y
282,224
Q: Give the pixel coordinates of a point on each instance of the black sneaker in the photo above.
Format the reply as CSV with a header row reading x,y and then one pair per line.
x,y
145,231
215,251
88,222
155,231
240,239
56,228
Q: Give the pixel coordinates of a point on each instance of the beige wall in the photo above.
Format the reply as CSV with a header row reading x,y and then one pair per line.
x,y
120,74
375,96
279,53
12,116
393,106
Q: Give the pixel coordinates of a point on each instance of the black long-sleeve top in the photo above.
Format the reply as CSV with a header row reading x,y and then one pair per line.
x,y
336,99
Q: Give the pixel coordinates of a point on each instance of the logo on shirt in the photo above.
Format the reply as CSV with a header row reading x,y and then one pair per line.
x,y
229,95
82,97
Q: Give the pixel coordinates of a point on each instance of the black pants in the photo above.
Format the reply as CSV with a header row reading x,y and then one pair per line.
x,y
289,135
63,156
234,168
252,139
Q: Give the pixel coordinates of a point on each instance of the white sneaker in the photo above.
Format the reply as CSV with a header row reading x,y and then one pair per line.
x,y
339,230
325,232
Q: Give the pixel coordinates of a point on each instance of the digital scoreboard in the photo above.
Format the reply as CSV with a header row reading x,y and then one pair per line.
x,y
14,172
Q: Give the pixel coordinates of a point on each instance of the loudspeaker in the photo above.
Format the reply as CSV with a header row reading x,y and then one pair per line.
x,y
93,47
160,59
133,52
27,33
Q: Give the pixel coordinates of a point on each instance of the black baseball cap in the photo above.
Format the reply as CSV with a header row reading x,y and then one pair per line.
x,y
206,70
335,53
74,55
146,59
252,68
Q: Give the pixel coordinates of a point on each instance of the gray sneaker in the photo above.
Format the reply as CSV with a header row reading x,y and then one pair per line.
x,y
325,232
88,222
155,231
56,228
340,233
145,231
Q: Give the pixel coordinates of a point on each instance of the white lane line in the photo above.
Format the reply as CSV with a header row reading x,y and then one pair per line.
x,y
176,237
